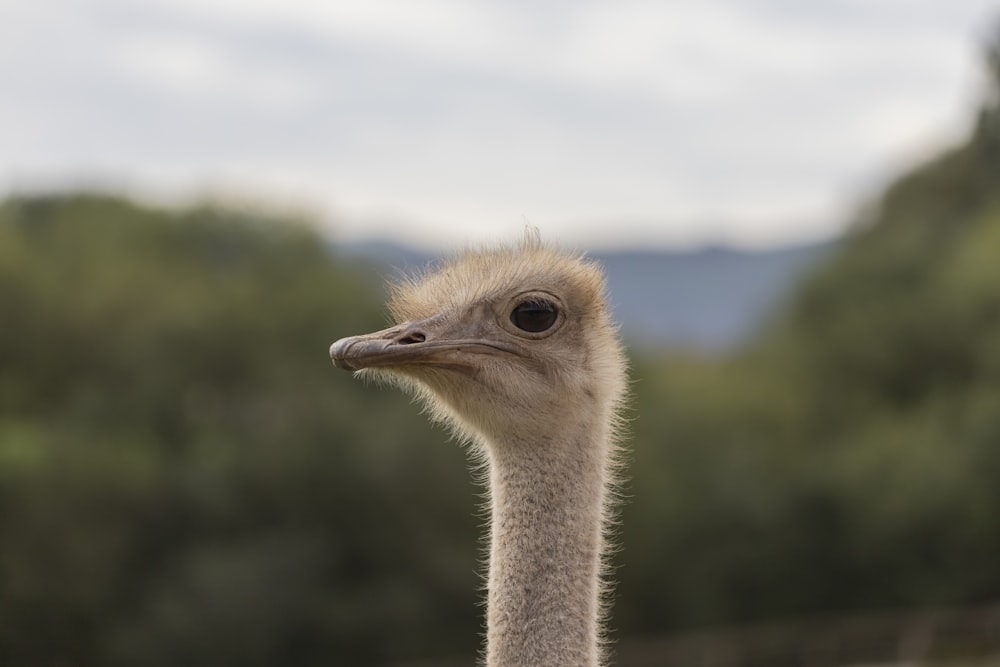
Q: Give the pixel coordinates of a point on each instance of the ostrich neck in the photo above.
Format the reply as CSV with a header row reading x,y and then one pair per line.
x,y
547,499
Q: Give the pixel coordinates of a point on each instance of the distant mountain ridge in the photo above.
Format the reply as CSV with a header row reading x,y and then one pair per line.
x,y
711,299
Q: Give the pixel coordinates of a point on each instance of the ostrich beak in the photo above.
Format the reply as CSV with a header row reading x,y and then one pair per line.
x,y
430,342
392,346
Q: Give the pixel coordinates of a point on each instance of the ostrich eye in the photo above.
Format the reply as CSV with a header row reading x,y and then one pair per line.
x,y
534,316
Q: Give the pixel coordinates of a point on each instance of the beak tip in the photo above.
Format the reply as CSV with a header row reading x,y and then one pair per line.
x,y
338,354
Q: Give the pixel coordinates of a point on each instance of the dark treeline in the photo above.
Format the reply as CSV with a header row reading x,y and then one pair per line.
x,y
849,458
184,479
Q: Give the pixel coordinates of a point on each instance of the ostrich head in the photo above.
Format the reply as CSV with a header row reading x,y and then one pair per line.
x,y
500,342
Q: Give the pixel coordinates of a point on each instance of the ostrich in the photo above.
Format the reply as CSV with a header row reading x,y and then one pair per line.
x,y
514,349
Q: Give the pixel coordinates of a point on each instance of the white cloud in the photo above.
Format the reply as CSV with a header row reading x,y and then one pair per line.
x,y
759,119
188,66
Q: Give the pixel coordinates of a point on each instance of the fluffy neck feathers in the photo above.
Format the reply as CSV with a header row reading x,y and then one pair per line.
x,y
548,498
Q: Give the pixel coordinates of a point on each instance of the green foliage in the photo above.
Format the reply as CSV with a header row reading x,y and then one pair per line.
x,y
184,477
848,458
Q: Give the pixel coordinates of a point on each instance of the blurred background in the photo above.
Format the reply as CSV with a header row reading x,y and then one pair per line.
x,y
798,206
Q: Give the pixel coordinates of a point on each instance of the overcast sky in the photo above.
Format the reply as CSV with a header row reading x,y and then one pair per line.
x,y
672,123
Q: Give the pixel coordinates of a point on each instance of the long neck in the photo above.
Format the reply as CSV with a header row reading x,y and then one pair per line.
x,y
548,498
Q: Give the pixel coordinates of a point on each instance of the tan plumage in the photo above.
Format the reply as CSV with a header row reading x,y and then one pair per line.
x,y
514,348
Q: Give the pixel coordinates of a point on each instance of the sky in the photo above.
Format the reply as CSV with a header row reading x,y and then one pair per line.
x,y
752,123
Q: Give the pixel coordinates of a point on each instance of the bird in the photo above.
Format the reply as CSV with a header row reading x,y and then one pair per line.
x,y
513,347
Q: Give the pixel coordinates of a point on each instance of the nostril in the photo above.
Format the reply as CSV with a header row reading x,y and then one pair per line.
x,y
411,338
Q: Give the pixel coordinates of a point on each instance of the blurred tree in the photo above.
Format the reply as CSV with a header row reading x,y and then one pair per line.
x,y
183,477
847,459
